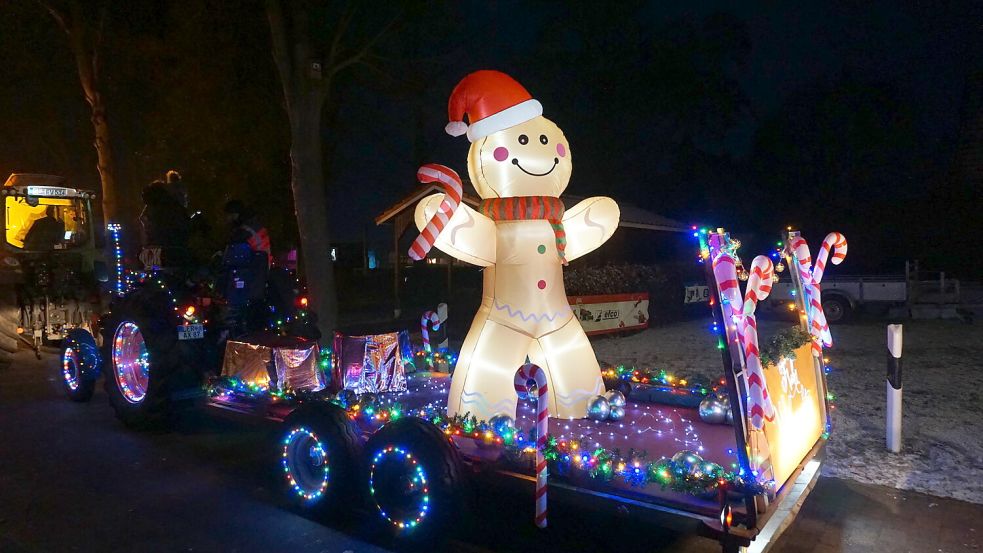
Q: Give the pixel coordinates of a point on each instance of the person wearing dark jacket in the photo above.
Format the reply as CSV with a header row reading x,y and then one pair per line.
x,y
246,228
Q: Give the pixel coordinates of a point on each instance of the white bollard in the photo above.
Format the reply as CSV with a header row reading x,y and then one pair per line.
x,y
894,335
442,315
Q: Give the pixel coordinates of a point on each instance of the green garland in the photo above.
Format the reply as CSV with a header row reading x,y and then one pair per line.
x,y
685,472
783,344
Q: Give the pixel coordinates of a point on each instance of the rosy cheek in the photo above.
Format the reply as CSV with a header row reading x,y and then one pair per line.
x,y
561,150
501,153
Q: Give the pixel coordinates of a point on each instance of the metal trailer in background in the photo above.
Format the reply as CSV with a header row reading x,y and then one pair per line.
x,y
916,293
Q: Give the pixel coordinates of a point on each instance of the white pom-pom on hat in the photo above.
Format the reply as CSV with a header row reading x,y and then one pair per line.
x,y
456,128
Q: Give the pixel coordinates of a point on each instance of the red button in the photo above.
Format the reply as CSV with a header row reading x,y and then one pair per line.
x,y
541,284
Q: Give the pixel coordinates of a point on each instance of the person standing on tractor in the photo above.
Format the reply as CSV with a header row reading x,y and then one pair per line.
x,y
177,187
246,228
165,227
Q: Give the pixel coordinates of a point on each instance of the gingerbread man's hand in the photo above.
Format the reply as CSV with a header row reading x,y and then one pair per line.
x,y
468,235
589,224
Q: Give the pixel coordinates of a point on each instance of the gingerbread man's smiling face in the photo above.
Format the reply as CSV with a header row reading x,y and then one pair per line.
x,y
529,159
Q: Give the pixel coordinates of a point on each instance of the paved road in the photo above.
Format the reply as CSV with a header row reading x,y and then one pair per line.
x,y
73,479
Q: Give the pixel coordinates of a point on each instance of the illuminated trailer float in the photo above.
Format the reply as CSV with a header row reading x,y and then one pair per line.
x,y
730,459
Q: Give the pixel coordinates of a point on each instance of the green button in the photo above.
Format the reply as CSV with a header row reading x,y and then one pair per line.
x,y
541,249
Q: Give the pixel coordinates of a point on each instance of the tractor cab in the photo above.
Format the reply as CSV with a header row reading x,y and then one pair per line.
x,y
41,215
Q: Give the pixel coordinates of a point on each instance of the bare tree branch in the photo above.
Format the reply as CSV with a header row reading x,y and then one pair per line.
x,y
281,52
366,48
57,15
340,30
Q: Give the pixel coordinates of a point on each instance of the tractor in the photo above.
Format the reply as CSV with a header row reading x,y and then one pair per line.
x,y
50,266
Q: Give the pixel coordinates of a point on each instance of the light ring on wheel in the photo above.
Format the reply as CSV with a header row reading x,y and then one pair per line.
x,y
70,368
399,487
131,362
305,463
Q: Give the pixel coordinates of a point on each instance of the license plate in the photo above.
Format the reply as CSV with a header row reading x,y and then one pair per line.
x,y
47,191
191,332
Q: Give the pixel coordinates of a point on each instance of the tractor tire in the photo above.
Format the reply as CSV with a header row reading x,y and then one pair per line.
x,y
414,480
318,452
80,365
142,362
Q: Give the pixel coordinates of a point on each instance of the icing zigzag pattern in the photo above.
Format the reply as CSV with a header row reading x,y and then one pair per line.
x,y
538,317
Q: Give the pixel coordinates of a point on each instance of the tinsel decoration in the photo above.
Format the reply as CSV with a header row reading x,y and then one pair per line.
x,y
783,344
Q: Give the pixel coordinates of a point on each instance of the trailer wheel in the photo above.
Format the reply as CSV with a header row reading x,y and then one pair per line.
x,y
80,365
837,309
414,479
142,361
318,452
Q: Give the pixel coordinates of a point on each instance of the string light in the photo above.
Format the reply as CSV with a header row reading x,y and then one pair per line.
x,y
131,362
69,368
416,481
302,445
114,235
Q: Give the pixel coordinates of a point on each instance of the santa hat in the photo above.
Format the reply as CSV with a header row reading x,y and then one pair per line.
x,y
493,101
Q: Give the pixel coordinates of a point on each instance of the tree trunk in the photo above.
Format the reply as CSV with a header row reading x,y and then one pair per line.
x,y
310,205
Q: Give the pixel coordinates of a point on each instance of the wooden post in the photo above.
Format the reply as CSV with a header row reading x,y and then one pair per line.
x,y
396,309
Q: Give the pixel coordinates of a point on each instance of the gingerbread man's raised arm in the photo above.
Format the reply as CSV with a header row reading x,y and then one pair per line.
x,y
468,235
589,224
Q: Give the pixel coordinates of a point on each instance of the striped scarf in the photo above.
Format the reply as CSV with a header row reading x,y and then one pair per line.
x,y
529,208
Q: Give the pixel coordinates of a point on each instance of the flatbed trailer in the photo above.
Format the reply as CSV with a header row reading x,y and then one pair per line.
x,y
400,456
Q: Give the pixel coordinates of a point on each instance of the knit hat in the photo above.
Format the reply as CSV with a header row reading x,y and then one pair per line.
x,y
493,101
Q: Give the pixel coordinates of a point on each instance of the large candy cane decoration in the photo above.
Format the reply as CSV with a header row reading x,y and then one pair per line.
x,y
428,317
833,241
759,286
453,190
811,277
525,374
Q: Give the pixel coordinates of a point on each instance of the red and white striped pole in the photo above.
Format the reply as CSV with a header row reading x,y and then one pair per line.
x,y
894,334
525,374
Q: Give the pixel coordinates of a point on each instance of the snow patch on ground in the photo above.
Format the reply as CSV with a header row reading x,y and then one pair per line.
x,y
943,397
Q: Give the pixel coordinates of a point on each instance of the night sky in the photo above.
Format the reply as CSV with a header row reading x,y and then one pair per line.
x,y
824,115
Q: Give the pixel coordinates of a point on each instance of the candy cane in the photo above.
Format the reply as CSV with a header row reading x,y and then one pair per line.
x,y
526,373
833,241
428,317
453,190
815,317
811,277
725,272
758,288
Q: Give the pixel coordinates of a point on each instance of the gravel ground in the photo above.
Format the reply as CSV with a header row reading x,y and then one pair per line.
x,y
943,401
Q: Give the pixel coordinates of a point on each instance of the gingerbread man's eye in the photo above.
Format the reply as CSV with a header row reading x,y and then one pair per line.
x,y
543,139
523,139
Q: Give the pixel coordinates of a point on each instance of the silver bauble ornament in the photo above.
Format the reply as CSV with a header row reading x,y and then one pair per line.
x,y
598,408
502,424
728,414
532,392
615,398
712,410
687,458
617,413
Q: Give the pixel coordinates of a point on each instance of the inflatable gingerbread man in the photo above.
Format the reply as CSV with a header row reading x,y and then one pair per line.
x,y
520,164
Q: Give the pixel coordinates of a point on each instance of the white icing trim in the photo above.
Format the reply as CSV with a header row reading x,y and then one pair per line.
x,y
519,113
